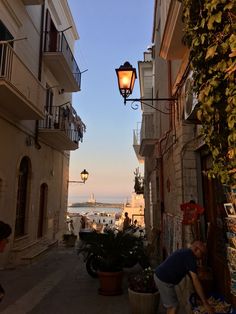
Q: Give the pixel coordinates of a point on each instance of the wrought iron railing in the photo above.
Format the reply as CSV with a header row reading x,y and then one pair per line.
x,y
64,118
14,71
58,43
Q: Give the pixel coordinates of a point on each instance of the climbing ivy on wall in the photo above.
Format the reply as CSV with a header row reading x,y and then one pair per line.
x,y
210,33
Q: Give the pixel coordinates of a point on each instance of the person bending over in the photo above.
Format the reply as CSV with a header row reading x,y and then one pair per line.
x,y
170,272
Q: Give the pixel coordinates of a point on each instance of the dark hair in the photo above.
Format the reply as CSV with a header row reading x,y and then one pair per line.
x,y
5,230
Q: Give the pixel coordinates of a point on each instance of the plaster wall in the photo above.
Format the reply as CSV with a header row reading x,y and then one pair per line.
x,y
18,138
47,166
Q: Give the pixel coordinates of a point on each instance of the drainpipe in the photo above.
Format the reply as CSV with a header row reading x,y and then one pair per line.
x,y
37,145
169,92
160,158
161,187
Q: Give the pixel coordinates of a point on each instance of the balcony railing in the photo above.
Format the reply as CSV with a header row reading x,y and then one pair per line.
x,y
22,95
60,59
147,135
62,127
136,142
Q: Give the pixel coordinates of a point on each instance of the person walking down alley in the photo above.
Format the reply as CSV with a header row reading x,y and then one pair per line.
x,y
170,272
127,221
71,226
5,231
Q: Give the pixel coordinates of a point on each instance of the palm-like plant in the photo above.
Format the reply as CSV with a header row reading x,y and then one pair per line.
x,y
115,250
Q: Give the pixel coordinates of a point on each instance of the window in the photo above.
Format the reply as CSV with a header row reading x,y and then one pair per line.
x,y
4,35
51,35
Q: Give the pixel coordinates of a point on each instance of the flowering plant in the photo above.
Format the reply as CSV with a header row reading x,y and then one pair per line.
x,y
143,281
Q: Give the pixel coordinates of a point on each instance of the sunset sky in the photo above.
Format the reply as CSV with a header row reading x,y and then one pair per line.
x,y
111,32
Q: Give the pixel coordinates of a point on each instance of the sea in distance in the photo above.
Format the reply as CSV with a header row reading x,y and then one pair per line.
x,y
89,210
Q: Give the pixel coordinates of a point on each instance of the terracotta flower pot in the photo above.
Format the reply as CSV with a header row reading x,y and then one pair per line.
x,y
110,283
143,303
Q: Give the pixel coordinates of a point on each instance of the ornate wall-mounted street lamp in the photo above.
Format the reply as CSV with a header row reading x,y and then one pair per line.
x,y
84,177
126,75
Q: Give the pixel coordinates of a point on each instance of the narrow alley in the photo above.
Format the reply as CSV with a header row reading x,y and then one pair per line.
x,y
57,283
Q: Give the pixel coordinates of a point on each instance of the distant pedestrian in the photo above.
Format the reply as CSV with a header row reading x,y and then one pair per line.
x,y
71,226
106,228
5,231
127,222
83,222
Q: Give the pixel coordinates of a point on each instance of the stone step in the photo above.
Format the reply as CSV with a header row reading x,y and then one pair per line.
x,y
38,250
25,247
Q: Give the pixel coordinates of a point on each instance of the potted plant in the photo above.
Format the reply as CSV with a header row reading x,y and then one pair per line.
x,y
143,294
112,251
138,182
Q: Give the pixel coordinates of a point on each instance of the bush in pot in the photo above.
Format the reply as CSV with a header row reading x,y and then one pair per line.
x,y
113,251
143,294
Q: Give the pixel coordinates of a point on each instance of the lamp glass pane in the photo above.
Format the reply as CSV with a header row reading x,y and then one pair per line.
x,y
132,81
84,175
125,78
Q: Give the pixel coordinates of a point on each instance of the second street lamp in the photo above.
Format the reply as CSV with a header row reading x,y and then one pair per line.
x,y
84,177
126,76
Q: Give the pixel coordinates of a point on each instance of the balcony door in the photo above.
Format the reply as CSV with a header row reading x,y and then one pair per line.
x,y
51,35
214,198
4,36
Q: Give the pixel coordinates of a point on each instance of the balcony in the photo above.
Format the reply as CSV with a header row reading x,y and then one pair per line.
x,y
136,143
60,60
32,2
62,128
147,138
22,95
172,47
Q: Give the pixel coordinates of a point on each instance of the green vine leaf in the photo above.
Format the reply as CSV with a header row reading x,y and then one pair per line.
x,y
214,18
210,33
211,51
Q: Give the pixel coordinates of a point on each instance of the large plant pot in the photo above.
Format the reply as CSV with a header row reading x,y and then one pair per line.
x,y
143,303
110,283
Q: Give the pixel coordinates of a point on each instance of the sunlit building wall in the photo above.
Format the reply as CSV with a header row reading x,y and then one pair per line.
x,y
38,125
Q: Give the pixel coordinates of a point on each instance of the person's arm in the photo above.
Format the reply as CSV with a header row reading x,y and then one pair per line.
x,y
198,287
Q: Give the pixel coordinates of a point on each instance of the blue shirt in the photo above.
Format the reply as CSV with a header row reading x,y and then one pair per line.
x,y
177,266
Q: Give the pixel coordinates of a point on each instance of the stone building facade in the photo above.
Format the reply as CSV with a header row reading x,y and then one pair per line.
x,y
38,124
175,155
